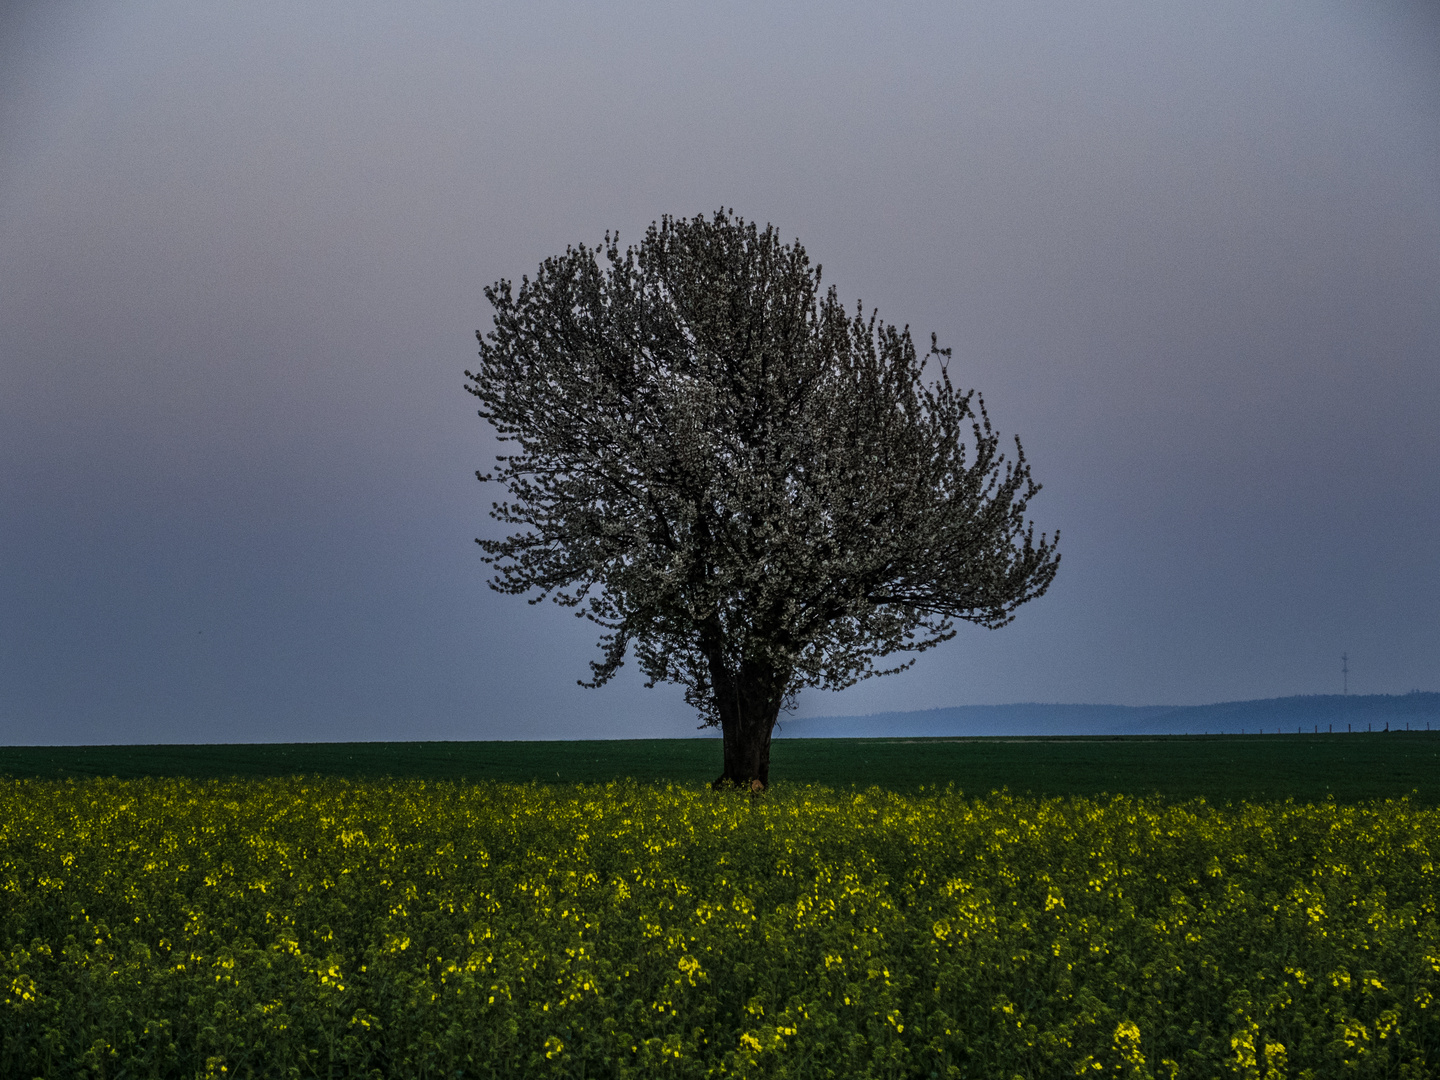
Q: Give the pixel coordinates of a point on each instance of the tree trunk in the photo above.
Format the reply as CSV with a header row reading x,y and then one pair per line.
x,y
749,704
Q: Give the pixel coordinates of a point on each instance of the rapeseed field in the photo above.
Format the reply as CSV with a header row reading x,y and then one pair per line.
x,y
295,928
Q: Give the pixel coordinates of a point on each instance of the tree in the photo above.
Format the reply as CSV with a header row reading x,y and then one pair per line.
x,y
752,490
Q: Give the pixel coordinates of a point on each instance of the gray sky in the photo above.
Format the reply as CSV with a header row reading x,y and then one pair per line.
x,y
1190,253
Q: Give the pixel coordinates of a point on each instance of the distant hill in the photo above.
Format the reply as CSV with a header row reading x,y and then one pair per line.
x,y
1324,711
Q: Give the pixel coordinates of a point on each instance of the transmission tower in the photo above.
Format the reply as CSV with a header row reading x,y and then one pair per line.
x,y
1345,673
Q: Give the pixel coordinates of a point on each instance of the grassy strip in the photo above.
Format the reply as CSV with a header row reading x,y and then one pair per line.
x,y
1223,767
272,928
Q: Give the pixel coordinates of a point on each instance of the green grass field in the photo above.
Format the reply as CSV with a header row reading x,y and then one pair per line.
x,y
1306,768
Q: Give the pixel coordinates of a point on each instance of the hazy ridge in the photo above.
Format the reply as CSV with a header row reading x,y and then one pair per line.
x,y
1359,712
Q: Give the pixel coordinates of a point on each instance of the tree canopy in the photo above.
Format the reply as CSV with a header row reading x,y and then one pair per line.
x,y
748,488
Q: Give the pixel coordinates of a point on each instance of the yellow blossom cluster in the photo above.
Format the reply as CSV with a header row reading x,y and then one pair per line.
x,y
302,927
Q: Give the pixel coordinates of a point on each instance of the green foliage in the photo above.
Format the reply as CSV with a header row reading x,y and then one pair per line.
x,y
299,927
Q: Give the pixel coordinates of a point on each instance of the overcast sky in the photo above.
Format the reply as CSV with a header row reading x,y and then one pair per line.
x,y
1190,253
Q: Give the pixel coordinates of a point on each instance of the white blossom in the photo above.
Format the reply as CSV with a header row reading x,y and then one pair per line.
x,y
745,486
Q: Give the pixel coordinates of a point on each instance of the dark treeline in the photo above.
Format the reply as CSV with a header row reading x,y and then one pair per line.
x,y
1324,713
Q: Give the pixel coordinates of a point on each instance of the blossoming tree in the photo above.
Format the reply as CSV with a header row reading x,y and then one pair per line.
x,y
744,486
